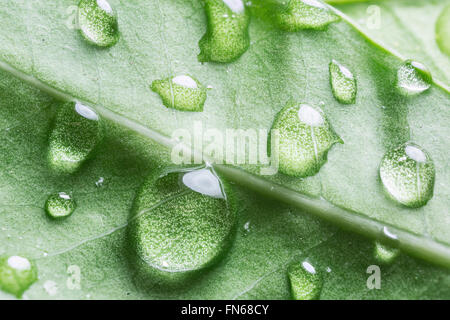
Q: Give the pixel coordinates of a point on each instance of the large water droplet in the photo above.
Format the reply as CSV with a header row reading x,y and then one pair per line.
x,y
98,22
385,254
443,30
407,173
226,38
343,83
182,222
60,205
76,133
181,92
305,14
17,274
413,78
306,283
305,136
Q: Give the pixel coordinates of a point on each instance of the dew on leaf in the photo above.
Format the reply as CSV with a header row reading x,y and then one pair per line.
x,y
226,37
17,274
98,22
182,222
343,83
305,14
305,137
413,78
305,281
76,133
407,173
443,30
181,92
385,254
60,205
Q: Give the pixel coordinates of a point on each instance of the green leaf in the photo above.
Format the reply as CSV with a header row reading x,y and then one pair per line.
x,y
406,26
277,67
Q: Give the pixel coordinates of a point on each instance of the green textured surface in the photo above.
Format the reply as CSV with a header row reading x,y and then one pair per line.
x,y
98,24
302,147
443,30
245,94
406,26
180,97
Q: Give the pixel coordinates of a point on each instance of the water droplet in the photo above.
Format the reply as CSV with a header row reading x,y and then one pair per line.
x,y
305,136
181,92
407,173
226,38
182,222
443,30
76,133
60,205
343,83
306,283
98,22
305,14
17,274
413,78
385,254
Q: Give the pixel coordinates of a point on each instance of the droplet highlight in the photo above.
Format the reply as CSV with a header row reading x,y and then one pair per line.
x,y
98,22
182,222
305,137
305,14
60,205
407,173
226,37
305,281
442,30
413,78
182,92
343,83
17,274
76,133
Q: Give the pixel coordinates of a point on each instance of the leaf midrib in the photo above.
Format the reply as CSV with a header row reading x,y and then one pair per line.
x,y
416,245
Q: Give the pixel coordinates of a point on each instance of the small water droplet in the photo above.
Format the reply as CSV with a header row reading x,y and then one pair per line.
x,y
98,22
443,30
225,39
413,78
407,173
305,136
385,254
343,83
17,274
306,283
182,92
76,133
190,232
305,14
60,205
